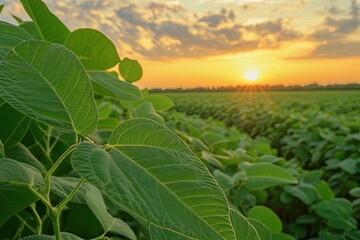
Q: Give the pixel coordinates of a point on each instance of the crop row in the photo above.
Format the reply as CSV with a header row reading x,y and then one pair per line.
x,y
319,135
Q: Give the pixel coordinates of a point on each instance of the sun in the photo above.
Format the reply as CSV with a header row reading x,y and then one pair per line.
x,y
251,74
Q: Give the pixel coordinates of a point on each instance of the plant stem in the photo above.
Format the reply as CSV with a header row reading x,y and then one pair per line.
x,y
55,218
19,232
37,219
54,167
63,203
41,197
2,151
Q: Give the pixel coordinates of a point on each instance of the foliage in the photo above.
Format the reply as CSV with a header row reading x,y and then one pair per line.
x,y
86,155
316,131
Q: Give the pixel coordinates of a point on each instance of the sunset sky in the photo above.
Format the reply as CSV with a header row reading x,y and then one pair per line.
x,y
205,43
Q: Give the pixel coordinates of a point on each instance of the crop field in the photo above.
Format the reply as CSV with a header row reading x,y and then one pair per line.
x,y
86,154
314,134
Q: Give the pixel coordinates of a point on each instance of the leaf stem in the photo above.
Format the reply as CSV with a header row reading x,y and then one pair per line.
x,y
76,137
23,221
54,167
37,219
19,232
41,197
2,151
61,206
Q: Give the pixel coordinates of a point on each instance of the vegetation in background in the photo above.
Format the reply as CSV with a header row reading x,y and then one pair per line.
x,y
85,154
317,131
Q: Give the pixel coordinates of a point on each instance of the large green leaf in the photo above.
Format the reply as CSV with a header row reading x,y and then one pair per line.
x,y
108,85
30,27
243,229
14,125
93,48
64,236
264,175
155,176
12,35
50,28
267,217
89,195
130,70
20,153
50,85
16,181
263,231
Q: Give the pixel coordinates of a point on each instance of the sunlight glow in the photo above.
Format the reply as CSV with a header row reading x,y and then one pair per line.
x,y
251,74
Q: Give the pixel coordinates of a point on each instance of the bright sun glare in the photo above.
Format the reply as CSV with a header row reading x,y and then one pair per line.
x,y
251,74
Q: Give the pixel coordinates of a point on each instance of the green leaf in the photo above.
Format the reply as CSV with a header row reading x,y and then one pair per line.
x,y
212,138
340,216
15,125
105,109
108,85
30,28
12,35
146,110
22,154
1,7
64,236
224,180
262,230
155,176
313,177
89,195
264,175
306,219
94,49
17,19
325,192
267,217
130,70
262,148
243,229
16,181
349,165
281,236
211,159
81,221
305,192
54,90
50,28
110,224
109,123
355,192
160,102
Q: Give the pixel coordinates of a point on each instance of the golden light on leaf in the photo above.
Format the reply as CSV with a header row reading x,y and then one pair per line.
x,y
251,74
